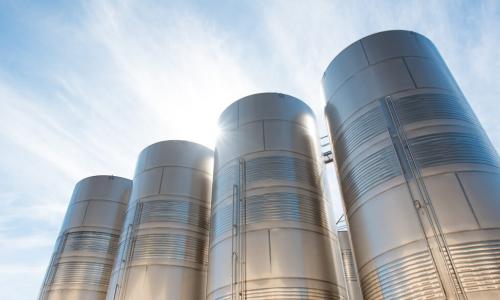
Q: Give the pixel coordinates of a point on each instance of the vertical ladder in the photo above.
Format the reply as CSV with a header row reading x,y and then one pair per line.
x,y
128,252
238,242
423,206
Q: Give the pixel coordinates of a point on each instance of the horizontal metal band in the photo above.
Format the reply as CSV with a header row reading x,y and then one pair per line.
x,y
82,273
224,180
181,211
100,243
423,107
285,168
359,131
369,172
288,169
416,108
279,206
170,246
410,277
288,293
283,206
452,148
222,220
477,265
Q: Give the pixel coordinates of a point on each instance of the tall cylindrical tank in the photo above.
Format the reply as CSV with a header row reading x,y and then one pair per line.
x,y
164,242
419,177
86,247
270,236
350,270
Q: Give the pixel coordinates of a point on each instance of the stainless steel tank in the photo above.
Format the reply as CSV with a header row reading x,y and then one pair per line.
x,y
349,267
164,244
86,247
419,177
270,236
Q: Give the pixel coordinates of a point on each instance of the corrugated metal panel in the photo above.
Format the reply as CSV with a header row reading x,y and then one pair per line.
x,y
170,246
410,277
477,264
99,243
452,148
424,107
222,220
369,172
282,206
224,180
82,273
285,168
359,131
279,206
181,211
288,293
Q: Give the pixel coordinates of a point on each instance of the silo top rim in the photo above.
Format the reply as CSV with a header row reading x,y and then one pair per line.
x,y
175,153
96,177
361,39
175,142
256,95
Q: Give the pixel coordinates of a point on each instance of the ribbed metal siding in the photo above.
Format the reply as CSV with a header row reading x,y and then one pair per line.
x,y
286,207
410,277
280,206
424,107
285,168
223,182
179,211
452,148
85,273
366,127
97,242
286,293
170,246
369,172
477,264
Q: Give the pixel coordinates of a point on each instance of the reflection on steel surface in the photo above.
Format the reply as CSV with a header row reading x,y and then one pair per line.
x,y
271,236
164,244
420,179
86,247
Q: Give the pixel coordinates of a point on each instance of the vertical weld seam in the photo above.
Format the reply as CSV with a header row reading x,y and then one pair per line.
x,y
269,243
238,115
263,134
161,180
364,52
409,72
467,199
84,216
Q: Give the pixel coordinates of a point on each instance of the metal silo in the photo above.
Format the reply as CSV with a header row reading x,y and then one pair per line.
x,y
270,236
86,247
350,271
164,242
420,179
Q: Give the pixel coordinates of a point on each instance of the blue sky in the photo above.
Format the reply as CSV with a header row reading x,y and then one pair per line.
x,y
84,86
